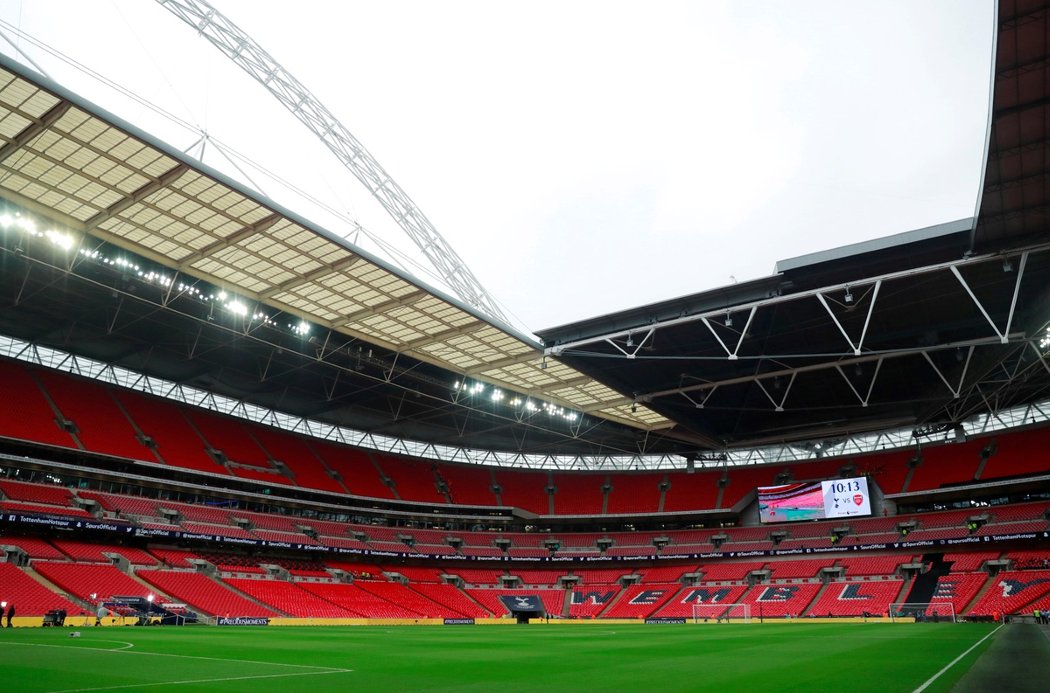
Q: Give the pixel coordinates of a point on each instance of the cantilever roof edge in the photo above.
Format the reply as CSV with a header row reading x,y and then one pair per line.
x,y
876,244
27,73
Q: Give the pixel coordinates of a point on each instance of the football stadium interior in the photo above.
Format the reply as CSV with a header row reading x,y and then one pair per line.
x,y
216,412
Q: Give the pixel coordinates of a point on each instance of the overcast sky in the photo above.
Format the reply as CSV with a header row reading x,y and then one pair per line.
x,y
581,157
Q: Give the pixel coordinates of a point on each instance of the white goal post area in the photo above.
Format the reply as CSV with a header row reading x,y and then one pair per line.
x,y
721,613
924,611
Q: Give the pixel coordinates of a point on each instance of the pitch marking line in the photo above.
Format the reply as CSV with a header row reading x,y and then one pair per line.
x,y
955,661
219,680
122,650
317,671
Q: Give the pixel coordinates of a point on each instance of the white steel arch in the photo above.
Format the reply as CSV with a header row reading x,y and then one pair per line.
x,y
239,47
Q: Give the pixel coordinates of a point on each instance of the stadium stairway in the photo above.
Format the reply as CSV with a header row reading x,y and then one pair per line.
x,y
611,605
65,594
988,584
925,584
816,599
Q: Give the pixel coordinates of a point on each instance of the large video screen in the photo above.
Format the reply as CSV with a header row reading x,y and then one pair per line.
x,y
817,500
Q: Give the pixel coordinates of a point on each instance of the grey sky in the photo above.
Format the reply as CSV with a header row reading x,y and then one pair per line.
x,y
582,157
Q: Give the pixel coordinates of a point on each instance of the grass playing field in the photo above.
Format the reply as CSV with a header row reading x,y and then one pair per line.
x,y
799,656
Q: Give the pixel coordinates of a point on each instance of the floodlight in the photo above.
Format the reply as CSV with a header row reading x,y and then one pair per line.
x,y
729,319
849,296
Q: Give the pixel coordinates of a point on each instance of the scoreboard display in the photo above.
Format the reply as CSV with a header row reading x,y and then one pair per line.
x,y
816,500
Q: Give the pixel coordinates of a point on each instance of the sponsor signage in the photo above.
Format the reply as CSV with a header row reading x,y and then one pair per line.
x,y
242,621
663,620
64,522
459,621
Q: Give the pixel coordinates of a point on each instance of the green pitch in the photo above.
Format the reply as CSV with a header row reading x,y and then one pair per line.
x,y
853,657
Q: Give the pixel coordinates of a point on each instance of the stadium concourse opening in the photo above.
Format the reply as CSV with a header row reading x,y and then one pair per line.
x,y
525,607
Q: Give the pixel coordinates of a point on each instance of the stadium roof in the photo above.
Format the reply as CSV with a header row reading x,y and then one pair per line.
x,y
99,178
921,329
226,291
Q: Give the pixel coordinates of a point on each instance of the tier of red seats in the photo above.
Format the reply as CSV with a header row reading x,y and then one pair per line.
x,y
288,598
406,598
604,576
199,513
176,558
163,421
451,597
41,509
591,601
958,590
228,435
84,579
288,537
531,576
577,494
358,601
413,479
36,493
217,520
801,568
1018,454
24,411
706,600
730,570
355,469
633,494
947,465
1035,558
642,601
525,490
280,523
127,505
664,573
691,491
1020,511
473,576
110,417
969,562
873,565
858,598
296,454
1012,592
781,600
33,547
267,475
96,553
204,594
102,426
218,530
468,485
29,597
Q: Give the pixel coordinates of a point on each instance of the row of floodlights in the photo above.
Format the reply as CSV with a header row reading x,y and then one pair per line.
x,y
497,395
65,241
58,239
